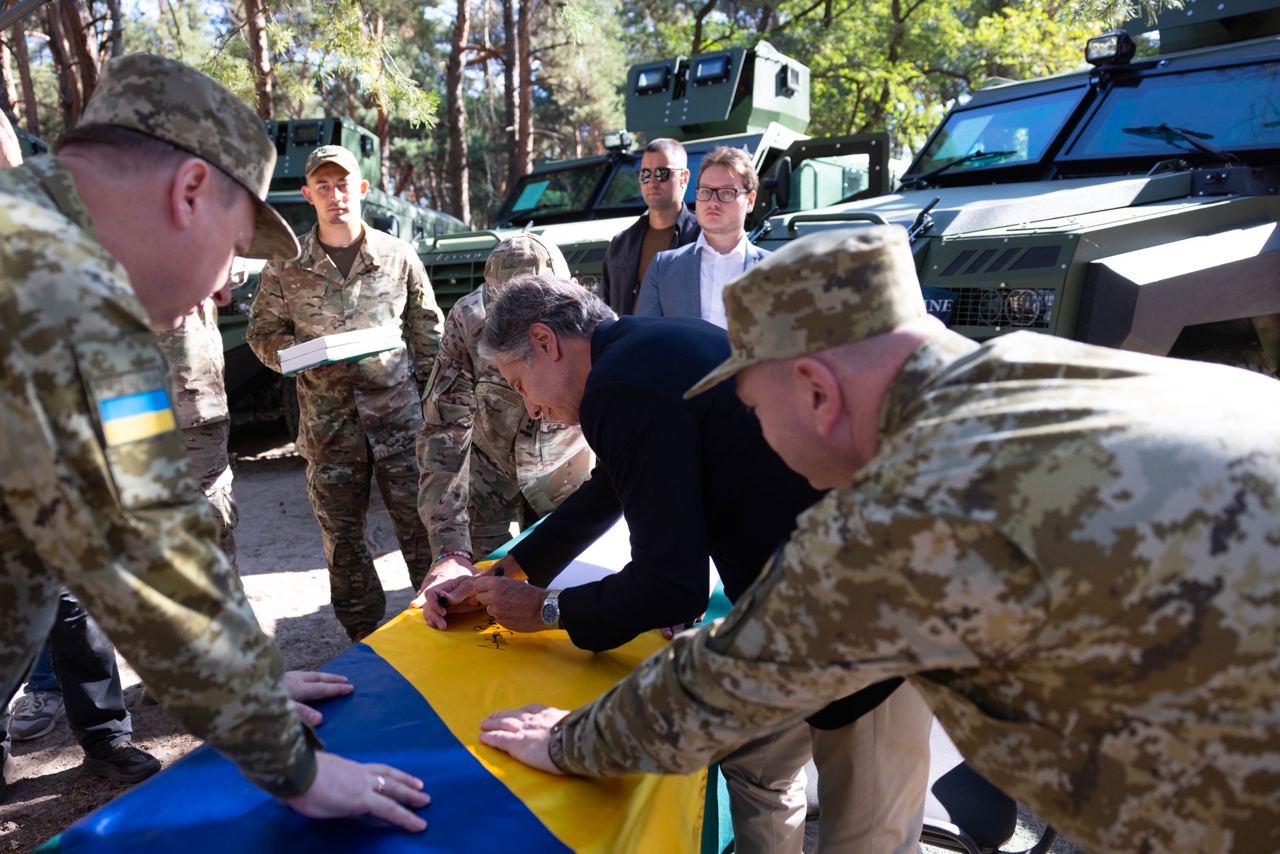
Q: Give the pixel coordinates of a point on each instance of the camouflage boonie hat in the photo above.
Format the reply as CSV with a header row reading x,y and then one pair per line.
x,y
524,255
332,154
178,105
821,291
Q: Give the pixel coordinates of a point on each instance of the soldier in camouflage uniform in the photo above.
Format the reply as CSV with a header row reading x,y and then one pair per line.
x,y
1072,552
485,463
134,221
193,351
358,421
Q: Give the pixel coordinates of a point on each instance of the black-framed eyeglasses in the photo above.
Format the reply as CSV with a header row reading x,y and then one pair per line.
x,y
724,194
661,175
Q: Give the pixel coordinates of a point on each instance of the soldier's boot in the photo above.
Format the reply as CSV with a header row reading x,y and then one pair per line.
x,y
120,761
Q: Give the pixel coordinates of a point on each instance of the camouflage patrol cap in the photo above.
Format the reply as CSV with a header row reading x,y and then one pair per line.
x,y
332,154
522,255
178,105
821,291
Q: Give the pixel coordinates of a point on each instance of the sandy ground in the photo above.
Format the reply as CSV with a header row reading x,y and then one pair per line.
x,y
282,565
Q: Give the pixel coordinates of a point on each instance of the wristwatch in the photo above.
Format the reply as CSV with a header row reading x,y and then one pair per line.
x,y
551,610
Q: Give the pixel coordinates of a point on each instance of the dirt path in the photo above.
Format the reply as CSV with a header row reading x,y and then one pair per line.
x,y
283,569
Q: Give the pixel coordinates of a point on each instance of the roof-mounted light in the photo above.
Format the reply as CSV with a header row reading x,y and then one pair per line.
x,y
617,140
1110,48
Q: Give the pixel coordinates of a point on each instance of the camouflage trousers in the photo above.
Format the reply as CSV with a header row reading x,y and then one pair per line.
x,y
207,451
339,494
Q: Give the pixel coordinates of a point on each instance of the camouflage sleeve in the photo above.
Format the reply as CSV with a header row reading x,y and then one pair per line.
x,y
444,445
270,324
105,498
422,321
844,604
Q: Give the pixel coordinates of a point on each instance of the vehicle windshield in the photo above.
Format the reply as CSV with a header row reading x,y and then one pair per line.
x,y
300,215
1230,108
624,189
559,192
817,182
1011,132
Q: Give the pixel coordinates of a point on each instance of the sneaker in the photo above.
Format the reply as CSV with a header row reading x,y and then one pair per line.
x,y
121,762
34,714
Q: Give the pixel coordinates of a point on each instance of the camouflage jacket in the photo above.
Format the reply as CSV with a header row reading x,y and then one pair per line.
x,y
1073,553
375,399
96,492
194,354
478,443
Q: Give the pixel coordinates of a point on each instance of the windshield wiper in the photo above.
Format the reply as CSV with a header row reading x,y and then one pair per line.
x,y
971,157
1195,139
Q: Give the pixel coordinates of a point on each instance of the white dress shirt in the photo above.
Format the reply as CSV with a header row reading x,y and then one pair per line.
x,y
716,271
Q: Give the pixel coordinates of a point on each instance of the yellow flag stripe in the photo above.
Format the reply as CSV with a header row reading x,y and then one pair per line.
x,y
477,667
132,428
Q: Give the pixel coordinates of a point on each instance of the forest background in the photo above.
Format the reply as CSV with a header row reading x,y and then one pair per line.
x,y
466,94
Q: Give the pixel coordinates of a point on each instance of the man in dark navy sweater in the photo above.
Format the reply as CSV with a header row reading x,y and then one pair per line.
x,y
694,479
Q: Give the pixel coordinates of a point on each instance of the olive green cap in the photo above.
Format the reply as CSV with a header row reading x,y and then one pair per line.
x,y
821,291
178,105
332,154
523,255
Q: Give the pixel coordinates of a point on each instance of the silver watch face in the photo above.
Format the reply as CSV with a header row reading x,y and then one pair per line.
x,y
551,611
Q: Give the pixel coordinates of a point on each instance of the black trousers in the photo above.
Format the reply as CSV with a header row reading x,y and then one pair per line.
x,y
85,664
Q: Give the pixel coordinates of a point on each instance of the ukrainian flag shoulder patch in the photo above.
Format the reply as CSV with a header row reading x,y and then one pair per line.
x,y
133,417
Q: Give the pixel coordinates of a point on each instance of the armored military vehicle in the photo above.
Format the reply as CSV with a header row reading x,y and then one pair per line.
x,y
757,100
30,145
254,390
1132,204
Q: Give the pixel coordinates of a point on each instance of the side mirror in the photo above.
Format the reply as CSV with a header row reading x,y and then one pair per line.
x,y
780,184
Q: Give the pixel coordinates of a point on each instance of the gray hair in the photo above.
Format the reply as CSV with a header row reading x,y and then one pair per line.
x,y
570,310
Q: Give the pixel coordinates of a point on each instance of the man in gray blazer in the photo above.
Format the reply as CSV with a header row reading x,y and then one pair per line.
x,y
689,281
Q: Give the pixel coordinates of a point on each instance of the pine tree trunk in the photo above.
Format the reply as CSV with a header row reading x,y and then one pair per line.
x,y
30,109
458,178
76,18
260,58
524,133
511,79
115,41
69,96
8,86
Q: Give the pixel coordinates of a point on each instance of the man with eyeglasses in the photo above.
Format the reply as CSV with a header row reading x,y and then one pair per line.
x,y
668,224
689,281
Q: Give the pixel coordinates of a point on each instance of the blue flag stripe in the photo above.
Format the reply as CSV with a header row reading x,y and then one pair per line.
x,y
203,804
155,400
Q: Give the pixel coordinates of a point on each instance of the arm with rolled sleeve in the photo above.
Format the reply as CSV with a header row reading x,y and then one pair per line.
x,y
270,327
124,527
422,321
842,606
444,446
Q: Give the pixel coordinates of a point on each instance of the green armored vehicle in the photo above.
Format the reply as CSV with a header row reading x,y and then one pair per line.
x,y
1132,204
30,145
757,100
255,391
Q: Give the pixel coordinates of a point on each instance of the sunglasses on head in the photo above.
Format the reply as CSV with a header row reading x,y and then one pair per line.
x,y
662,174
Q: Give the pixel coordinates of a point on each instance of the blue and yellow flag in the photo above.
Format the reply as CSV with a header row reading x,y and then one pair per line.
x,y
419,699
132,417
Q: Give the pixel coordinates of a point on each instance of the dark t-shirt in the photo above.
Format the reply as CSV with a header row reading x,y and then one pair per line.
x,y
343,257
